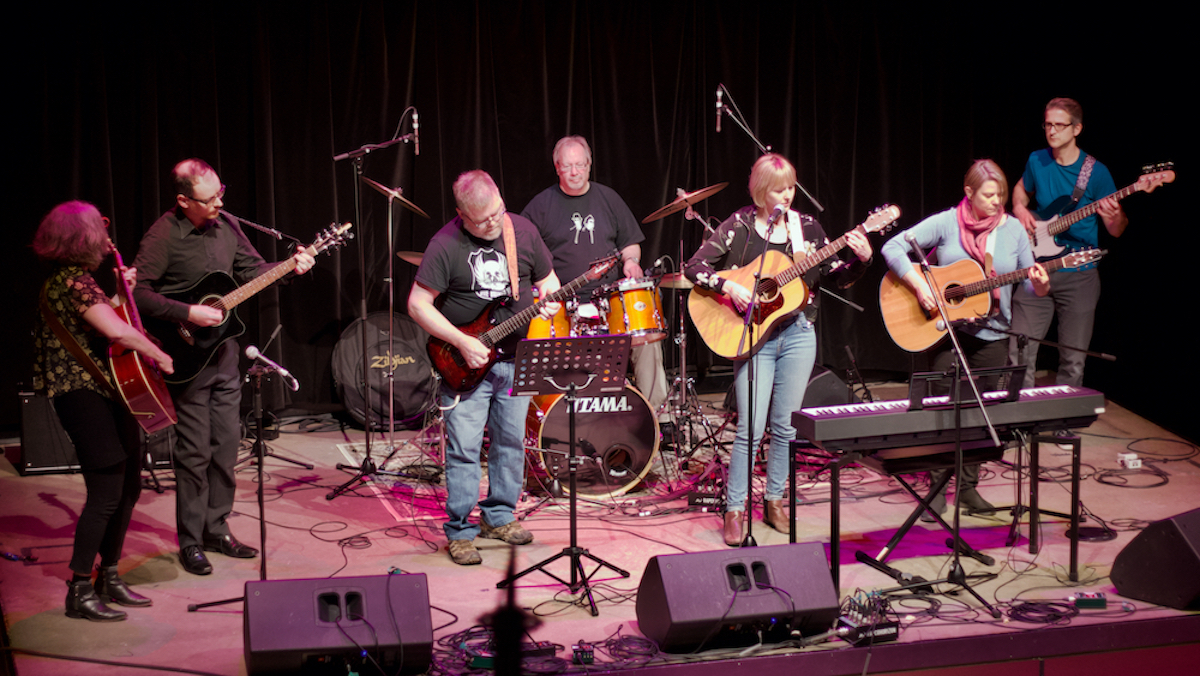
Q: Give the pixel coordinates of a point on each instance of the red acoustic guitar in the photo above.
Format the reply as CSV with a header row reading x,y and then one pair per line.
x,y
137,377
448,360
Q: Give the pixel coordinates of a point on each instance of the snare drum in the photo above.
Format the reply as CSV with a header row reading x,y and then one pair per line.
x,y
618,439
635,309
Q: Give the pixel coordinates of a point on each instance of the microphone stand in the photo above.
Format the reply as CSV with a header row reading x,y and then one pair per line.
x,y
367,468
956,574
748,326
736,116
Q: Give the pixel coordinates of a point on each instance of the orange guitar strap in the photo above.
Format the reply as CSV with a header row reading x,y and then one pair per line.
x,y
510,254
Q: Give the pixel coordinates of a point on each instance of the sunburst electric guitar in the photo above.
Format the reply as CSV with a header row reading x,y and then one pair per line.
x,y
964,289
780,292
449,361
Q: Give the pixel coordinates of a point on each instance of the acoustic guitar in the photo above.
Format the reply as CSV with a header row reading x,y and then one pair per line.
x,y
964,289
136,377
780,292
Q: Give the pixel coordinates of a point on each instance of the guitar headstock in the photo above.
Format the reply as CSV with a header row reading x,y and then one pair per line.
x,y
1156,175
601,267
332,237
1077,259
881,218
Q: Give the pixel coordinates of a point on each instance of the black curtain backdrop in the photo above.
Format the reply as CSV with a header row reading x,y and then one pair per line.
x,y
874,103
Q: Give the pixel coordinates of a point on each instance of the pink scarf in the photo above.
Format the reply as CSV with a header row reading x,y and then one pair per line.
x,y
973,233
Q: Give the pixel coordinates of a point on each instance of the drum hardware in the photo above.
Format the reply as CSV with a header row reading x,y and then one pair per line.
x,y
558,365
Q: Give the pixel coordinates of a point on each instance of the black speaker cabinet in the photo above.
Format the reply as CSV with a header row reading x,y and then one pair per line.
x,y
45,447
324,625
725,598
1162,564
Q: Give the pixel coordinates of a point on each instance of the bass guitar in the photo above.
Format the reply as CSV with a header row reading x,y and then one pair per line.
x,y
780,292
191,346
136,377
449,361
964,289
1055,223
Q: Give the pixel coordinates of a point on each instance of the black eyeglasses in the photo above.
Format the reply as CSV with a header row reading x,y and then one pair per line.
x,y
208,202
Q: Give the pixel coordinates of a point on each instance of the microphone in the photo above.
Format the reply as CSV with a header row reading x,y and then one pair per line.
x,y
253,353
912,243
719,106
779,210
656,268
416,133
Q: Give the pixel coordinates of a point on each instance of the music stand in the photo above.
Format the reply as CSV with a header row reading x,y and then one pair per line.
x,y
589,365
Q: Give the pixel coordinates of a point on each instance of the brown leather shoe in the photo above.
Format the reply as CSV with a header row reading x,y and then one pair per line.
x,y
733,529
776,516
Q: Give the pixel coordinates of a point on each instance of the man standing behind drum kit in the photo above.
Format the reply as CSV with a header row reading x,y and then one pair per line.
x,y
581,222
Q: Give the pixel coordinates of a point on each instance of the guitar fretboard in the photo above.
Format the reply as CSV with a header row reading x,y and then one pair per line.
x,y
501,331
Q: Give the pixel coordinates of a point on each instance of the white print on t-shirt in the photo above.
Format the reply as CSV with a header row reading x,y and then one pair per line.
x,y
489,270
581,223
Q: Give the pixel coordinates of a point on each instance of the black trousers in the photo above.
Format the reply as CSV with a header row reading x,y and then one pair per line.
x,y
107,444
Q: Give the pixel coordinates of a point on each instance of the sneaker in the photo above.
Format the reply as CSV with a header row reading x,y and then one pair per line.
x,y
463,553
512,532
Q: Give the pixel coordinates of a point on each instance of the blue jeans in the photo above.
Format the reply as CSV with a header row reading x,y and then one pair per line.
x,y
782,368
488,404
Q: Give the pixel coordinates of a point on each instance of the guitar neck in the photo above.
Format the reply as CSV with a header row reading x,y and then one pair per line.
x,y
985,285
501,331
246,291
135,318
1060,225
814,259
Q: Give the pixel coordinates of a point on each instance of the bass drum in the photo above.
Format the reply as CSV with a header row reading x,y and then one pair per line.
x,y
413,372
618,439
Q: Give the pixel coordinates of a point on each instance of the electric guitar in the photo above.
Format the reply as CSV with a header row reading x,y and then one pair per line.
x,y
1055,222
964,290
780,292
192,347
449,361
137,377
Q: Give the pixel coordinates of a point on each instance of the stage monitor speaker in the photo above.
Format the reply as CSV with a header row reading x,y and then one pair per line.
x,y
1162,564
45,447
727,597
326,625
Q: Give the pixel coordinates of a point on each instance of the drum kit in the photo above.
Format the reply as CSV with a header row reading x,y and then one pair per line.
x,y
619,433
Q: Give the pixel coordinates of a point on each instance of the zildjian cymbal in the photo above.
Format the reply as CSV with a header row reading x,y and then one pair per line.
x,y
394,193
687,199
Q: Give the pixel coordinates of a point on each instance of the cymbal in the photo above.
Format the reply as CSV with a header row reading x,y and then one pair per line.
x,y
413,257
395,193
686,200
675,280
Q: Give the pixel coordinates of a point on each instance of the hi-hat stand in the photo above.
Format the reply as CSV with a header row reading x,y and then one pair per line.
x,y
589,365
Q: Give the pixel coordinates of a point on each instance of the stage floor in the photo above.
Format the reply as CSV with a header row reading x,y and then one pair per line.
x,y
393,524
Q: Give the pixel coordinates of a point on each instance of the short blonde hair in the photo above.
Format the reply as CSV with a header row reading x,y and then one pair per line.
x,y
770,172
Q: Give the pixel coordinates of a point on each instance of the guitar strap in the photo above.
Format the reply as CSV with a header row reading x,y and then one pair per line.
x,y
1085,174
68,341
510,255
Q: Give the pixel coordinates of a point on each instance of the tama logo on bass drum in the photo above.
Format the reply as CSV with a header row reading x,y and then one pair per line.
x,y
612,404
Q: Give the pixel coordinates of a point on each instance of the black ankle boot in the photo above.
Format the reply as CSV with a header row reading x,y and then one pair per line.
x,y
110,587
82,603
